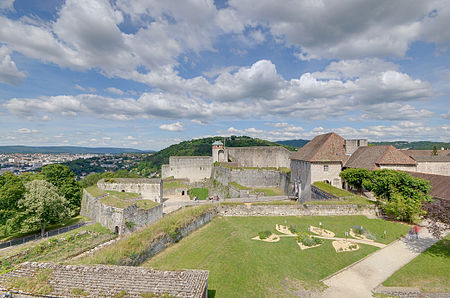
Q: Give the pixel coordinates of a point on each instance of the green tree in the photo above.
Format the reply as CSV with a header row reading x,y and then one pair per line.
x,y
401,194
61,177
42,205
11,191
435,150
355,177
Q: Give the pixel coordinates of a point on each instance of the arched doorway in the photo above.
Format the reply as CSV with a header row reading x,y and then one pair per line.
x,y
116,230
182,192
221,156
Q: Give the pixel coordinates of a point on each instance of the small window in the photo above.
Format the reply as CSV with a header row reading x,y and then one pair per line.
x,y
325,168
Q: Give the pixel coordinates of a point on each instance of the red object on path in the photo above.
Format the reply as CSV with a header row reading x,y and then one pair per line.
x,y
416,229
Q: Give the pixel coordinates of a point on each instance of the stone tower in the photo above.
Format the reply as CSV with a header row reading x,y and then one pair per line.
x,y
219,153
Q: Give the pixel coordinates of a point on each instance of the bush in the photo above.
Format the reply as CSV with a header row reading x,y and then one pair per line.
x,y
264,235
359,230
293,229
307,240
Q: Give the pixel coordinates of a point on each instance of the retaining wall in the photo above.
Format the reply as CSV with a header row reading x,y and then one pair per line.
x,y
166,241
296,210
150,189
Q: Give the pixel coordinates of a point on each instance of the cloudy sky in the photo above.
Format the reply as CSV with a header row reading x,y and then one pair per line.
x,y
146,74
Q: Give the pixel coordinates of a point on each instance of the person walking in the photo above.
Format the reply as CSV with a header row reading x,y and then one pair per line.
x,y
416,231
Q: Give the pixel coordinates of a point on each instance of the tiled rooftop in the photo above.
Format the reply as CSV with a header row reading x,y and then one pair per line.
x,y
107,281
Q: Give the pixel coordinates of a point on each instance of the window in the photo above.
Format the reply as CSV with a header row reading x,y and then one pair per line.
x,y
325,168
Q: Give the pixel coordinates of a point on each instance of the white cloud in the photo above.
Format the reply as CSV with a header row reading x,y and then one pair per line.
x,y
9,73
446,116
81,88
256,91
26,131
349,28
177,126
7,4
115,91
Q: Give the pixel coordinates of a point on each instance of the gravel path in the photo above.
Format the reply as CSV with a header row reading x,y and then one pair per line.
x,y
360,279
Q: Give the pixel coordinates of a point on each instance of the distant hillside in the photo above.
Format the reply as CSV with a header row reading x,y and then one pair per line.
x,y
66,149
295,143
419,145
198,147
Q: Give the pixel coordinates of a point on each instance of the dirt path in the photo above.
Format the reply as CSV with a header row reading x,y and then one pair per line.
x,y
359,279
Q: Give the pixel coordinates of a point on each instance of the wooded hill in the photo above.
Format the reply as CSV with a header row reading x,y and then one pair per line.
x,y
419,145
197,147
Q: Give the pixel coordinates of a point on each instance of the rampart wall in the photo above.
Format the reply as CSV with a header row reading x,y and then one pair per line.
x,y
297,210
111,217
194,168
149,189
261,157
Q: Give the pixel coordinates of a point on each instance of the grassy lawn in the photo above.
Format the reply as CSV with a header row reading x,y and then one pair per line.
x,y
116,202
201,193
58,248
346,197
146,204
123,195
430,271
252,268
95,191
68,222
174,184
238,186
269,192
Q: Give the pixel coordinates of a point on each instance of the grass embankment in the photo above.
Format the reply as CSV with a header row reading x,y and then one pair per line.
x,y
137,243
174,184
267,191
201,193
238,264
429,271
280,169
56,249
345,196
120,199
66,223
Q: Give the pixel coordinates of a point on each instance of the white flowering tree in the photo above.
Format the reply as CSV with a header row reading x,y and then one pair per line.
x,y
42,205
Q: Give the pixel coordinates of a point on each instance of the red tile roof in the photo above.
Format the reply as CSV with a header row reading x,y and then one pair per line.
x,y
440,185
371,157
323,148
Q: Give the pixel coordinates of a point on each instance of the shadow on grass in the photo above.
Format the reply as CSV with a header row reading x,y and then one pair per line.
x,y
211,293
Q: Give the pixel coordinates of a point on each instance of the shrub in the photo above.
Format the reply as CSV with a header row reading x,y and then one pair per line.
x,y
293,229
264,235
307,240
358,230
130,224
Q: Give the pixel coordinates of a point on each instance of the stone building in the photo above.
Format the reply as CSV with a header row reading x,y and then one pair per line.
x,y
381,157
429,163
321,159
198,168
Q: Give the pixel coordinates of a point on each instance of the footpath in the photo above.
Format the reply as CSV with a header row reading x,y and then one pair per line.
x,y
359,279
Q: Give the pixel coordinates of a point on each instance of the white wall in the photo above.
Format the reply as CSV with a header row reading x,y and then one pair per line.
x,y
194,168
332,175
437,168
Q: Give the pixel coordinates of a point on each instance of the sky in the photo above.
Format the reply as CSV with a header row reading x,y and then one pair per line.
x,y
147,74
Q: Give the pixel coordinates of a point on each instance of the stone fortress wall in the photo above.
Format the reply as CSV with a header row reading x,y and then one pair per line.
x,y
149,189
249,177
434,167
260,157
194,168
116,219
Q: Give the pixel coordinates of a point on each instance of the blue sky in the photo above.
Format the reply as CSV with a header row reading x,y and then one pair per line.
x,y
147,74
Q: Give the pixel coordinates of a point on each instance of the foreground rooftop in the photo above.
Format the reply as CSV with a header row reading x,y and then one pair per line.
x,y
107,281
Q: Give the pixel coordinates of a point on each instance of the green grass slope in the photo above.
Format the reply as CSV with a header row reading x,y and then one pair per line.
x,y
430,271
238,264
